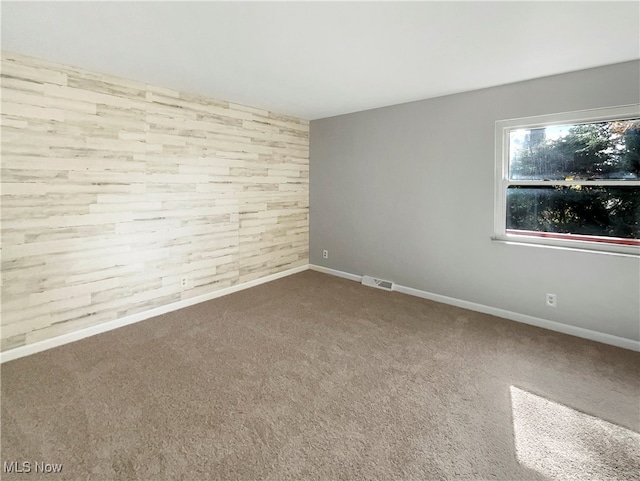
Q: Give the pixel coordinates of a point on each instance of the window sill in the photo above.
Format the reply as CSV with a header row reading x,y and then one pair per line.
x,y
572,245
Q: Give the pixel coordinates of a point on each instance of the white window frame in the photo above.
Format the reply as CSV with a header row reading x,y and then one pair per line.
x,y
503,127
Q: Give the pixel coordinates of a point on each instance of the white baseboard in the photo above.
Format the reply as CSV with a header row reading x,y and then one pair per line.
x,y
29,349
333,272
514,316
23,351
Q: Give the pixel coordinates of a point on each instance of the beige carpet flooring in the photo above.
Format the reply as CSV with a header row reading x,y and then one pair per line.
x,y
313,377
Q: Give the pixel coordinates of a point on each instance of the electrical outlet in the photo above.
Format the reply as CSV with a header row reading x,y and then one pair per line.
x,y
551,300
184,282
325,254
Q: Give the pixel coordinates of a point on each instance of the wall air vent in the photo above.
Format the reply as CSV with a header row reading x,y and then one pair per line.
x,y
379,283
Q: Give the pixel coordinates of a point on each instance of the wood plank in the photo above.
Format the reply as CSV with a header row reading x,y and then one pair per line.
x,y
112,190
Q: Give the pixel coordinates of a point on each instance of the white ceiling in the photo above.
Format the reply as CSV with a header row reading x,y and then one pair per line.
x,y
321,59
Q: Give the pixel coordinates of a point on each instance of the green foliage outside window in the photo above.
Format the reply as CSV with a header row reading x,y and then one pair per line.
x,y
603,151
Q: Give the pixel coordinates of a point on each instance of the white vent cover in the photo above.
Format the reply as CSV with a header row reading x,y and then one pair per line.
x,y
379,283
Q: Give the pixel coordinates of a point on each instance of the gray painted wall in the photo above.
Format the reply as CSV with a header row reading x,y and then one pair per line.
x,y
407,193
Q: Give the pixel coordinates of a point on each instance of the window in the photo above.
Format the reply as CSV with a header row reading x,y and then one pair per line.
x,y
570,180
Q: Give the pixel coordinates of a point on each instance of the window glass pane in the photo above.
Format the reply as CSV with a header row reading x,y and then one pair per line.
x,y
577,209
602,150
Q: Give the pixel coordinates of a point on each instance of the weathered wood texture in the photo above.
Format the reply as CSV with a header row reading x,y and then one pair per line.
x,y
112,190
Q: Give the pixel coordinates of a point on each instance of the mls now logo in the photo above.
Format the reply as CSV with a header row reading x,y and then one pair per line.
x,y
29,467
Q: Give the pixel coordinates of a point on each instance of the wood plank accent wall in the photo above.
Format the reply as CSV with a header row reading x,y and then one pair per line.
x,y
112,190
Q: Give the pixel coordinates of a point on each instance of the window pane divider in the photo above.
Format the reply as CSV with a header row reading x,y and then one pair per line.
x,y
550,183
